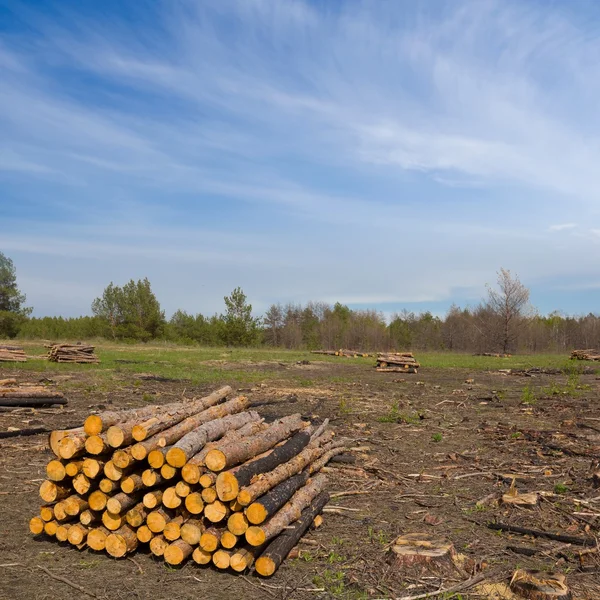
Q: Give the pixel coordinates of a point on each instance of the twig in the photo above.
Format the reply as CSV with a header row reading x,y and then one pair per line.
x,y
340,494
259,585
455,588
136,564
65,580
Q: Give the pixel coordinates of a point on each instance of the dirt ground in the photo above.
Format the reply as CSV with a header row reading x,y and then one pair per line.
x,y
432,445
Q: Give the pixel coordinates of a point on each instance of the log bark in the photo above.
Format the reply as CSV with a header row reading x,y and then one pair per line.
x,y
173,434
121,542
318,464
266,506
25,399
279,548
191,443
229,482
172,414
246,448
284,471
540,585
177,552
290,512
96,538
193,470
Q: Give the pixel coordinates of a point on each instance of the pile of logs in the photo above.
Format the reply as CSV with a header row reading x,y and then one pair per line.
x,y
72,353
342,352
206,480
492,354
27,394
585,355
397,362
12,354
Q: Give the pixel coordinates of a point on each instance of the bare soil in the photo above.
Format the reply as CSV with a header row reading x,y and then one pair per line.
x,y
434,443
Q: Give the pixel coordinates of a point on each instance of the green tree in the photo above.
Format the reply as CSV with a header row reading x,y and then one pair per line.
x,y
132,311
13,312
239,327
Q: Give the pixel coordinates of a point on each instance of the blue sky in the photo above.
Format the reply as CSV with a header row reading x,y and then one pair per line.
x,y
386,154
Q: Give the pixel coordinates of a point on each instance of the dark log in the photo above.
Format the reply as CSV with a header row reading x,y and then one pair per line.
x,y
22,432
273,500
280,547
26,400
567,539
229,482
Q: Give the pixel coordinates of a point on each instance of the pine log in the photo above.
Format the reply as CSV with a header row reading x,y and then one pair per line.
x,y
121,502
108,486
74,467
71,445
228,540
216,511
97,500
158,519
144,535
122,458
183,489
266,506
57,435
60,514
209,495
269,480
172,530
81,484
175,413
136,516
90,517
229,482
540,585
244,449
96,444
221,559
74,505
177,552
24,399
92,467
50,528
237,523
193,470
114,473
279,548
121,542
55,470
210,539
53,492
173,434
290,512
152,499
112,521
191,531
168,472
194,503
208,479
62,532
151,478
36,525
47,513
201,557
96,538
132,483
318,464
77,534
157,458
170,498
191,443
158,545
241,560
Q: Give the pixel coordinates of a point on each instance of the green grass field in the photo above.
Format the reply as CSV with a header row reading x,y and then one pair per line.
x,y
207,364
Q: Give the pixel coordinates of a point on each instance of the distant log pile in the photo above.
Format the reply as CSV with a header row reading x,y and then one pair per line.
x,y
585,355
397,362
343,353
12,354
493,355
72,353
203,480
27,394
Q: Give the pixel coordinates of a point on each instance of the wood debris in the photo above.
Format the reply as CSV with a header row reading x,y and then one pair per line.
x,y
343,352
15,394
12,354
397,362
589,354
204,480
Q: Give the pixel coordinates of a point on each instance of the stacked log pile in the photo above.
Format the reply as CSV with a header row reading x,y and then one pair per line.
x,y
72,353
12,354
27,394
585,355
397,362
342,352
207,481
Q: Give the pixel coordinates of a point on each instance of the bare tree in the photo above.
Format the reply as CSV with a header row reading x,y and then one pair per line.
x,y
508,304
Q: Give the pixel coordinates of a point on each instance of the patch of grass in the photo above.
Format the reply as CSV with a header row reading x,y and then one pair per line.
x,y
302,382
335,557
148,397
516,435
332,581
560,488
528,395
381,537
437,437
344,406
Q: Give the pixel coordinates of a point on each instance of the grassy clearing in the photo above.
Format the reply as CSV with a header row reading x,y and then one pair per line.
x,y
210,365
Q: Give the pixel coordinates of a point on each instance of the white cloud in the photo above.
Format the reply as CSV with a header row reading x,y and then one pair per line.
x,y
562,227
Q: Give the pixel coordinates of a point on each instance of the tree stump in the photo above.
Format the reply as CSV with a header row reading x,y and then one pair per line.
x,y
421,552
540,585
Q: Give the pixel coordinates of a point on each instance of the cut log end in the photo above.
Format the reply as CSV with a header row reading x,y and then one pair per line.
x,y
144,535
156,521
97,500
190,473
194,503
96,538
93,425
228,540
170,498
55,470
265,566
77,534
256,513
177,552
420,550
168,471
139,433
227,486
138,451
221,559
255,536
215,511
112,521
176,457
241,560
209,540
207,480
244,497
201,557
237,523
158,545
540,585
36,525
215,460
156,458
95,445
122,459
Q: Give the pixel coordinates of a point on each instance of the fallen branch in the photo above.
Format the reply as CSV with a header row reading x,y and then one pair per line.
x,y
65,580
459,587
568,539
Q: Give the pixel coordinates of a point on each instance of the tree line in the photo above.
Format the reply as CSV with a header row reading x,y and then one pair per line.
x,y
502,322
